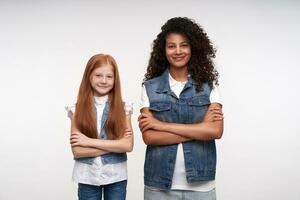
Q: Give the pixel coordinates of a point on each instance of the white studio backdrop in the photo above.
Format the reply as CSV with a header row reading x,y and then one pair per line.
x,y
44,47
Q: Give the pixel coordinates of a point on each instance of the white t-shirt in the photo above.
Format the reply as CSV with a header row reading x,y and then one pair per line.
x,y
179,181
97,173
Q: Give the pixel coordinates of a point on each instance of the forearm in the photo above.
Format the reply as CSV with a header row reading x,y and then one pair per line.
x,y
125,144
82,152
156,132
153,137
198,131
117,146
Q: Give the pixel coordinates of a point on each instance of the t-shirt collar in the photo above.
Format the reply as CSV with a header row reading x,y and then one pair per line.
x,y
101,100
174,82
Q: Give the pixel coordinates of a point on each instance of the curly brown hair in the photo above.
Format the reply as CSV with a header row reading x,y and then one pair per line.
x,y
200,65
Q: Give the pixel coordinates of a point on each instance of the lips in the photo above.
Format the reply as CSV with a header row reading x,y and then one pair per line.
x,y
178,58
103,87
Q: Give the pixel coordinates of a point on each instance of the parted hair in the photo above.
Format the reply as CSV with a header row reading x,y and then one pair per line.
x,y
85,115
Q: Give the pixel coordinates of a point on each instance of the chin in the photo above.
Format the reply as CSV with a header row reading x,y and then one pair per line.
x,y
179,66
102,93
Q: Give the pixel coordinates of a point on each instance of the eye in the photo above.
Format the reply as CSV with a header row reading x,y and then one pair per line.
x,y
99,75
170,46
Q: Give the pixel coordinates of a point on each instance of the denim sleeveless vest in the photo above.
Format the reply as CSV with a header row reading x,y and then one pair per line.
x,y
189,108
110,158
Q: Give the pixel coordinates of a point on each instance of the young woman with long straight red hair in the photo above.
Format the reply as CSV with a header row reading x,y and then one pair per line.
x,y
101,132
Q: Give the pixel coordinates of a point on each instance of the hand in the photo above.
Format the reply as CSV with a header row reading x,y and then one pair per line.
x,y
213,114
79,139
147,121
128,132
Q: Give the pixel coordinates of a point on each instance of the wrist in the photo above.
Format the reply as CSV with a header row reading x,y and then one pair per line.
x,y
91,142
164,126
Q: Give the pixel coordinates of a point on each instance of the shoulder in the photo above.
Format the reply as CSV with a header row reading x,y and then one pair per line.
x,y
155,80
215,95
128,107
154,83
70,110
206,87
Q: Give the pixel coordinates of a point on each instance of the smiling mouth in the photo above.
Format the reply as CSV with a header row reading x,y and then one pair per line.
x,y
102,87
178,58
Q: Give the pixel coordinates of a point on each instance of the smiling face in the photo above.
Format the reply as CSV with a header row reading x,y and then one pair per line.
x,y
102,80
178,50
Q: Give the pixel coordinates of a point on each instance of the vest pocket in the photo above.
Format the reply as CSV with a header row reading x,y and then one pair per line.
x,y
199,101
160,106
197,107
161,110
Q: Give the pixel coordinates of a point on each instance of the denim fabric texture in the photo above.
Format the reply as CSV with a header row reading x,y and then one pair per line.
x,y
157,194
110,158
189,108
114,191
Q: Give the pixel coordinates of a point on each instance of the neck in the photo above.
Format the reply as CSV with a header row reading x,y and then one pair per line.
x,y
179,74
96,94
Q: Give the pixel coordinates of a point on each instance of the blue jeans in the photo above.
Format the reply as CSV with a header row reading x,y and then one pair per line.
x,y
114,191
151,193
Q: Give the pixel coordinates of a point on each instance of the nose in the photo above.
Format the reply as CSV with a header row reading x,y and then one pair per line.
x,y
178,50
103,80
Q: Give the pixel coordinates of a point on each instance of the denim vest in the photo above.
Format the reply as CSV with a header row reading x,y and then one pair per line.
x,y
189,108
110,158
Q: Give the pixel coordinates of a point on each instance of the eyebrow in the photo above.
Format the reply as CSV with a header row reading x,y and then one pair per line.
x,y
186,42
110,73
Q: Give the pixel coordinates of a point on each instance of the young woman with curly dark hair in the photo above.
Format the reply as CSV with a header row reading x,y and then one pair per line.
x,y
181,114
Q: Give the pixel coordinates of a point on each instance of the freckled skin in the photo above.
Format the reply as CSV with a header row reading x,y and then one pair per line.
x,y
102,80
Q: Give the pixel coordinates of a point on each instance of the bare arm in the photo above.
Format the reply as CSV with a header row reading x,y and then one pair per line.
x,y
156,137
124,144
210,128
153,137
79,151
198,131
83,152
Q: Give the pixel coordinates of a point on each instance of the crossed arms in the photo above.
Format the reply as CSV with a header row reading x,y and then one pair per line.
x,y
83,146
156,132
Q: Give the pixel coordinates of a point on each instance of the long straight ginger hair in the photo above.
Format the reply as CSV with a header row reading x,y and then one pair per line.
x,y
85,115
